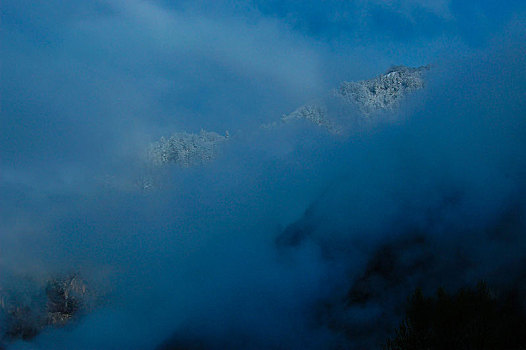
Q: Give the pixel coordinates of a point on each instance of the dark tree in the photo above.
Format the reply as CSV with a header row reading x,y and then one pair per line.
x,y
471,318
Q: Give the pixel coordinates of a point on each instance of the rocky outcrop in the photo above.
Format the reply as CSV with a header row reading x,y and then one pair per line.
x,y
27,306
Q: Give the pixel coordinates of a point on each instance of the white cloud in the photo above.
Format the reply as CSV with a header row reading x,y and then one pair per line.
x,y
263,47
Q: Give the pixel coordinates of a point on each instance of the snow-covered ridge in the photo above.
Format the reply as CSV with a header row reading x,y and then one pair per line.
x,y
186,149
385,91
367,97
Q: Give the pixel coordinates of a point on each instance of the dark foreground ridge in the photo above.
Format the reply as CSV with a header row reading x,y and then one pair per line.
x,y
471,318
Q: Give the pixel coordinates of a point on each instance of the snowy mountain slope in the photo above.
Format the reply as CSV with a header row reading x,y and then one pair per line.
x,y
364,98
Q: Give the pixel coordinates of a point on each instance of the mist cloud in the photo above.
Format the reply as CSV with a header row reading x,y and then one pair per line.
x,y
86,89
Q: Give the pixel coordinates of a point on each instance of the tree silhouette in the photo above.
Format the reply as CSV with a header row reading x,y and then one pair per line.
x,y
471,318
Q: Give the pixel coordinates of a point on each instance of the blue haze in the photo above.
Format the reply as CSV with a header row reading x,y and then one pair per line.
x,y
86,86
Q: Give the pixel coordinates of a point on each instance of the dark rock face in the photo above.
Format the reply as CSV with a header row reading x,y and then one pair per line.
x,y
377,293
65,299
389,266
27,307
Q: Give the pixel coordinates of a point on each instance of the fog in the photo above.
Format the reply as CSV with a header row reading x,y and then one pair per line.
x,y
206,257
